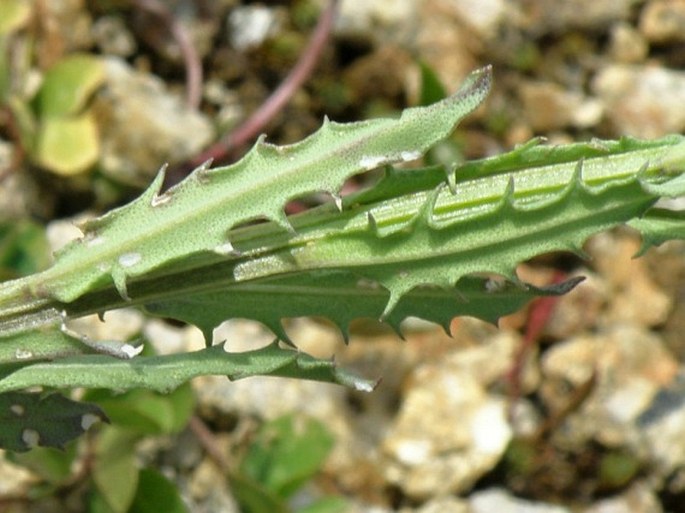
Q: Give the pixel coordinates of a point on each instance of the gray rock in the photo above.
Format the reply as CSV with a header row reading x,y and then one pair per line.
x,y
251,25
631,366
663,428
144,125
639,100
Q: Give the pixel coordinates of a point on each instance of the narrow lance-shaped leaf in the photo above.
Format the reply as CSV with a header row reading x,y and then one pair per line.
x,y
166,372
489,225
194,216
342,298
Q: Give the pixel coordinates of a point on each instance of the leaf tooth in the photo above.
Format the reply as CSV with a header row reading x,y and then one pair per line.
x,y
508,197
276,326
426,212
154,188
531,143
337,200
278,216
156,198
201,173
451,177
373,225
398,285
119,279
227,249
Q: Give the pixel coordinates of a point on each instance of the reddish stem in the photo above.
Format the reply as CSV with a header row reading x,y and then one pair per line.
x,y
278,99
191,59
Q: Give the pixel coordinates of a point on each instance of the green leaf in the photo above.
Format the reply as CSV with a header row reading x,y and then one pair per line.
x,y
68,145
327,505
69,84
342,298
436,237
30,420
45,344
156,494
432,89
254,497
286,453
165,373
147,412
52,465
658,226
155,229
24,248
115,472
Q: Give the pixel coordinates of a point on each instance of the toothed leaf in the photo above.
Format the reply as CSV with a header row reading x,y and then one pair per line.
x,y
342,297
165,373
658,226
194,216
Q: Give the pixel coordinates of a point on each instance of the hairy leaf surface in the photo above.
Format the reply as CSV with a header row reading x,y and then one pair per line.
x,y
195,215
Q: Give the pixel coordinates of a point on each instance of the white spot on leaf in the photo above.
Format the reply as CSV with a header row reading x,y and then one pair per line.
x,y
363,386
18,410
225,249
160,199
371,162
130,351
23,354
30,437
88,420
408,156
95,241
130,259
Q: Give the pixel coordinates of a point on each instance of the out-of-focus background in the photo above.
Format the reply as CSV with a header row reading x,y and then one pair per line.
x,y
584,412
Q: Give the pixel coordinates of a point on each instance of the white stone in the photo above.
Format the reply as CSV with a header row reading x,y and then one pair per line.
x,y
496,499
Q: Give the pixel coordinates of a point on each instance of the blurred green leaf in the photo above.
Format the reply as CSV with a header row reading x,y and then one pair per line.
x,y
24,248
52,465
286,453
30,420
253,496
13,14
115,473
147,412
68,145
330,504
432,89
156,494
69,84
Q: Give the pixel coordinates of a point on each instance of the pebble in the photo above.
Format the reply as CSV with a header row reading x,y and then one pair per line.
x,y
449,430
144,125
549,106
635,297
497,499
545,16
627,44
639,498
631,366
381,21
249,26
663,21
639,100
